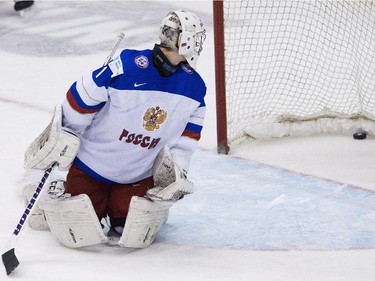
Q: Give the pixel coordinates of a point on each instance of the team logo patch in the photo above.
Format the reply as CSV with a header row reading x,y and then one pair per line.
x,y
141,61
153,118
187,68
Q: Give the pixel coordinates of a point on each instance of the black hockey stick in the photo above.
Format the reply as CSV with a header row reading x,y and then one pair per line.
x,y
10,260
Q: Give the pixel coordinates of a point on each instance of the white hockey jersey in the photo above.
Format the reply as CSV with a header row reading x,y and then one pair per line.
x,y
125,112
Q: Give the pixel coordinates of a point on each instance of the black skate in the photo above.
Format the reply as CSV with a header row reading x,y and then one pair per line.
x,y
21,5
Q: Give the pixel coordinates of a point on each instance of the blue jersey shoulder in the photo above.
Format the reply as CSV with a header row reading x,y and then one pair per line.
x,y
140,74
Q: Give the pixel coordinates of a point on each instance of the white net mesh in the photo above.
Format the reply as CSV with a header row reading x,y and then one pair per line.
x,y
298,58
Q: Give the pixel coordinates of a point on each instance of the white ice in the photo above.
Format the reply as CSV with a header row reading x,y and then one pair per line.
x,y
287,209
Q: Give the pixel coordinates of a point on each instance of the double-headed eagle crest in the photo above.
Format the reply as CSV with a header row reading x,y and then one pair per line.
x,y
153,117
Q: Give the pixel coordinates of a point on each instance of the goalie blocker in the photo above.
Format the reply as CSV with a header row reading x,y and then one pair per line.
x,y
54,144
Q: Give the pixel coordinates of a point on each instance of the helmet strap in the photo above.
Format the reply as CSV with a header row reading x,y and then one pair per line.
x,y
162,63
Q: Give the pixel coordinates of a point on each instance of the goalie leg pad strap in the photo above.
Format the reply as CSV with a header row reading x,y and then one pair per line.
x,y
73,221
144,220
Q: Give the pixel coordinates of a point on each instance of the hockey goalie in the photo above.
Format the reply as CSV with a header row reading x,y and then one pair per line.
x,y
121,143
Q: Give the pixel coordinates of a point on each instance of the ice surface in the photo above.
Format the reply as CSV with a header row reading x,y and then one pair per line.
x,y
292,209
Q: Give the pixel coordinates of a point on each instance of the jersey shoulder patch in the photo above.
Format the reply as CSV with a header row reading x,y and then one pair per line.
x,y
116,66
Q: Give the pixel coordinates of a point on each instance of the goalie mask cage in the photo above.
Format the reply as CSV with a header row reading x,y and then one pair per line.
x,y
285,62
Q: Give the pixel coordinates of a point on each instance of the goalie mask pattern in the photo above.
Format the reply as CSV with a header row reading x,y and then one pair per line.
x,y
183,31
170,30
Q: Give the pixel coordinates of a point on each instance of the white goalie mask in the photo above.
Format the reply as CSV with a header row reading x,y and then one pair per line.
x,y
183,31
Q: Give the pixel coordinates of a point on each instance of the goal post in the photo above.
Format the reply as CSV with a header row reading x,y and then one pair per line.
x,y
221,111
288,67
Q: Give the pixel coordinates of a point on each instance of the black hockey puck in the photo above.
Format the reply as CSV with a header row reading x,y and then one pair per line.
x,y
359,135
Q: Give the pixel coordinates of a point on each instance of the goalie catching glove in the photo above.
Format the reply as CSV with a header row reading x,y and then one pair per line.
x,y
170,180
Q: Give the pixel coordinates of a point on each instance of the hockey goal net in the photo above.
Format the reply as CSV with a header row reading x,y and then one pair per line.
x,y
286,64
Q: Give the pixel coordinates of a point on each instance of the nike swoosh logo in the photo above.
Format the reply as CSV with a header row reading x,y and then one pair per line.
x,y
138,85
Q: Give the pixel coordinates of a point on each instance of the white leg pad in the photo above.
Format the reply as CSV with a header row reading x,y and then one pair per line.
x,y
73,221
144,220
37,220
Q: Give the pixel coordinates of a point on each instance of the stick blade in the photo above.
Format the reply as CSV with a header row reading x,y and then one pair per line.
x,y
10,261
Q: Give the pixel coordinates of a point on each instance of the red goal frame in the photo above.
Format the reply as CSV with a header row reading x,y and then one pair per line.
x,y
221,112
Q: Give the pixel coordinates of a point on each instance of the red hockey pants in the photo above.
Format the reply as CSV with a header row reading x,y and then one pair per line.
x,y
108,199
